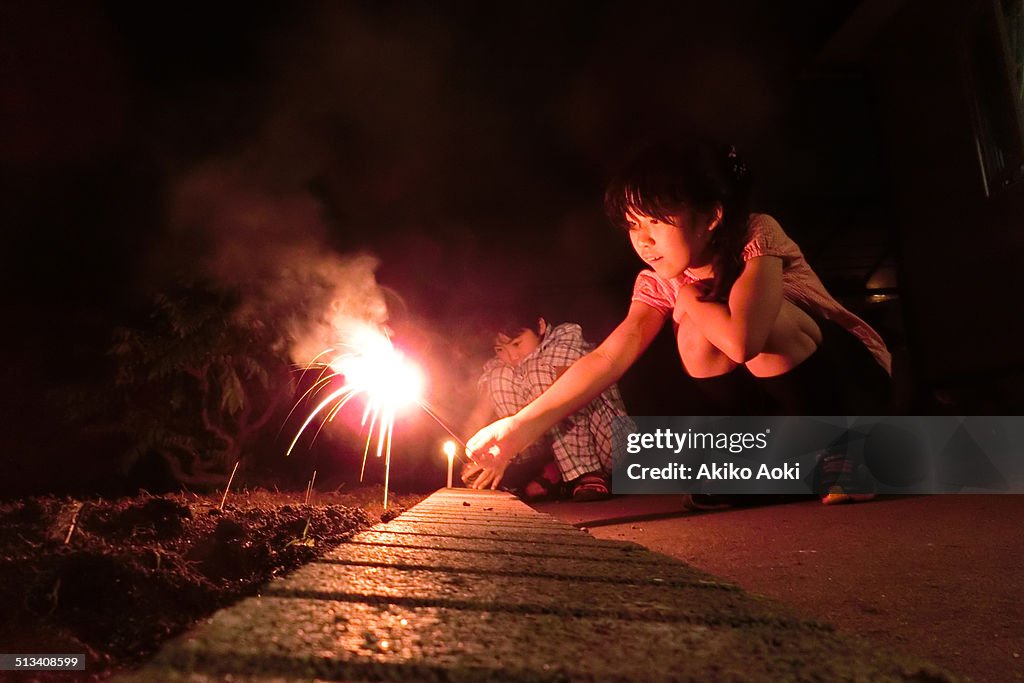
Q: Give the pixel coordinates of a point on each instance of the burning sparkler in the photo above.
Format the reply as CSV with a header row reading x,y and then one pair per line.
x,y
371,366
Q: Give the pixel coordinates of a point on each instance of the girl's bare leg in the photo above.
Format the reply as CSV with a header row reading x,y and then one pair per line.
x,y
700,357
792,340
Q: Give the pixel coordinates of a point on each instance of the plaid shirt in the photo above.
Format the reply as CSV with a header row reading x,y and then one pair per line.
x,y
583,442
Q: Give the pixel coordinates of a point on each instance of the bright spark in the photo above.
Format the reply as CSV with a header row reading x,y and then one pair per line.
x,y
374,368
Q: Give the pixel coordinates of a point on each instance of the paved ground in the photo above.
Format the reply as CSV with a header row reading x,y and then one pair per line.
x,y
937,576
476,586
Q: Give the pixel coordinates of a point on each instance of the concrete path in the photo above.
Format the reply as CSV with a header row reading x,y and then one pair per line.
x,y
476,586
938,577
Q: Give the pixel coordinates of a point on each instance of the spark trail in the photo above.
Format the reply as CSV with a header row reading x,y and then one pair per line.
x,y
370,366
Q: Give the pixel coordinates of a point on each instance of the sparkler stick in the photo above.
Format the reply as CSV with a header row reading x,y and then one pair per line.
x,y
309,488
228,487
74,523
426,408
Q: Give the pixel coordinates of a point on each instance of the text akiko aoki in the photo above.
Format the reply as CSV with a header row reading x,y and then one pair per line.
x,y
714,472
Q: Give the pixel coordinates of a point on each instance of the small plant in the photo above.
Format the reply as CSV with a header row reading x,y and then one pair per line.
x,y
305,539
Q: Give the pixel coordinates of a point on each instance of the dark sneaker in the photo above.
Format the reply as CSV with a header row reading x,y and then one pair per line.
x,y
840,479
706,502
837,496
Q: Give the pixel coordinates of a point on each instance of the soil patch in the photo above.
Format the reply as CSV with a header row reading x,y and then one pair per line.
x,y
114,579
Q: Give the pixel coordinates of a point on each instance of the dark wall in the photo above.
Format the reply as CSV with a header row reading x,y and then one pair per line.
x,y
943,93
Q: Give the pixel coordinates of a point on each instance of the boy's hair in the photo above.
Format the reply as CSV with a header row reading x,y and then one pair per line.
x,y
516,306
668,178
511,323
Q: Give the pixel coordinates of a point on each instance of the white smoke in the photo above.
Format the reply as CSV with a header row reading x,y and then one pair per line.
x,y
271,244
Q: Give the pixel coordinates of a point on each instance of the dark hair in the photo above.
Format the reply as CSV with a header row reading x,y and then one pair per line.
x,y
666,179
513,324
511,313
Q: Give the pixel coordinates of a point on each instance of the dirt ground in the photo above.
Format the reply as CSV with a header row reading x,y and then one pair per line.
x,y
935,576
114,579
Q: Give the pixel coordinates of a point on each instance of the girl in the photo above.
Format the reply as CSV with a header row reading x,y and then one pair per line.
x,y
746,306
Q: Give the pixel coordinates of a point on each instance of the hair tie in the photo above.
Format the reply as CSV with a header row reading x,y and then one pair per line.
x,y
737,167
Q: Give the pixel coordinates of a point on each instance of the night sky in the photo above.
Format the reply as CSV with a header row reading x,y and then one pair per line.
x,y
464,145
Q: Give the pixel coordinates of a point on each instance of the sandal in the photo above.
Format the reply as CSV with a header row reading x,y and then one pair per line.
x,y
590,487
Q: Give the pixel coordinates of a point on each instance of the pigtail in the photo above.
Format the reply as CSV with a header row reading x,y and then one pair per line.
x,y
727,241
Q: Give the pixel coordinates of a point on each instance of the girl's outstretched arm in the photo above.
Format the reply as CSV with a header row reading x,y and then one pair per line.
x,y
740,328
496,444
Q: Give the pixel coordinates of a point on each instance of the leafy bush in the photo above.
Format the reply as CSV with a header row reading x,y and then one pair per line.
x,y
200,381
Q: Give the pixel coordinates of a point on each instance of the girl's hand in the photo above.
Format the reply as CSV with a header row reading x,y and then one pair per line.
x,y
490,475
686,301
486,473
493,447
692,292
479,476
502,438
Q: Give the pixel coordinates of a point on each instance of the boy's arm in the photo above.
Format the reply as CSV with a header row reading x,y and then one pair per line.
x,y
582,382
566,348
740,328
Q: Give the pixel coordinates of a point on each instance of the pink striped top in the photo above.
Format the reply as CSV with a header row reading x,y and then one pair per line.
x,y
800,285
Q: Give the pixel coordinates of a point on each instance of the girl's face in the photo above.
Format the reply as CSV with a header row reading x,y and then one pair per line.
x,y
671,248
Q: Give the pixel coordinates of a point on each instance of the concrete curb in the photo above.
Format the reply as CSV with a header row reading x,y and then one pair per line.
x,y
477,586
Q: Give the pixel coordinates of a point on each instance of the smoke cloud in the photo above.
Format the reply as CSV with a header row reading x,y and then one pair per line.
x,y
273,246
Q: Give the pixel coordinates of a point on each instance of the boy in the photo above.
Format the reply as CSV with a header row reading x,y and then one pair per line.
x,y
529,356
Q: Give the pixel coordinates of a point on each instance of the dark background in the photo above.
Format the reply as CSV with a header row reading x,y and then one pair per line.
x,y
465,145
